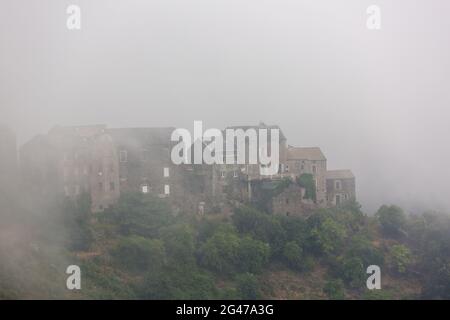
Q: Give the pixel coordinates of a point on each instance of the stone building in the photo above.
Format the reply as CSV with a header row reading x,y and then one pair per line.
x,y
145,166
292,202
310,161
72,161
340,187
106,162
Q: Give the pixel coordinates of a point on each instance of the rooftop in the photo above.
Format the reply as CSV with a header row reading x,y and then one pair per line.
x,y
312,153
340,174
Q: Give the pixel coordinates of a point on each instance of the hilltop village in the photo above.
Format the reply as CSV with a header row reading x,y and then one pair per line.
x,y
106,162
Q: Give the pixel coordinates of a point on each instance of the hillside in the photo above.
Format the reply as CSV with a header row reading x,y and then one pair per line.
x,y
139,249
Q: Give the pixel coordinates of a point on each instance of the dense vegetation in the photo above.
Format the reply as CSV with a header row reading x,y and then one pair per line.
x,y
139,249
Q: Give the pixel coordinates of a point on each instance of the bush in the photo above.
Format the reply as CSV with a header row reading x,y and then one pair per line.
x,y
352,271
363,249
248,286
225,252
306,181
179,244
334,289
399,258
294,257
261,226
392,220
220,252
253,255
178,284
139,214
138,254
326,235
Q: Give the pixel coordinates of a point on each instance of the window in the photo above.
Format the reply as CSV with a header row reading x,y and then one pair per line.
x,y
166,172
235,174
287,200
222,174
314,169
337,185
123,156
338,199
287,168
166,189
144,188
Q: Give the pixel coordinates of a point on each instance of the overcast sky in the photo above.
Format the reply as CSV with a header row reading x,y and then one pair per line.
x,y
376,102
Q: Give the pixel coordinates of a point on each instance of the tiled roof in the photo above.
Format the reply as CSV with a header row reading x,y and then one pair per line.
x,y
340,174
313,153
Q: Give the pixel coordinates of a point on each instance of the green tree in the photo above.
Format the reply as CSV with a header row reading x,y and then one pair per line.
x,y
253,255
334,289
400,258
326,235
139,214
293,255
261,226
307,181
179,244
352,271
139,254
248,286
220,253
392,220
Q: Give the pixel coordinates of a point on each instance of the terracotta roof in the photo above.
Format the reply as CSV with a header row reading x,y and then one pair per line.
x,y
312,153
340,174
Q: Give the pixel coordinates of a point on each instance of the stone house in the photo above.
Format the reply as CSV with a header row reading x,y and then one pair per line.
x,y
310,161
72,161
106,162
292,202
340,187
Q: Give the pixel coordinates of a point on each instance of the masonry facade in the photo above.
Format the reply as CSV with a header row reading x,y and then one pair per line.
x,y
106,162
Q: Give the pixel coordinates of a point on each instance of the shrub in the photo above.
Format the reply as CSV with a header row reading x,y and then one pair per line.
x,y
248,286
138,254
399,258
392,220
334,289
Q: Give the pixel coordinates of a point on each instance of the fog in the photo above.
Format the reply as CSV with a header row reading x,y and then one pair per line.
x,y
375,101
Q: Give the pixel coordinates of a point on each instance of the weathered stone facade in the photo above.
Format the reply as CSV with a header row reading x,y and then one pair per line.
x,y
107,162
340,187
292,202
309,161
72,161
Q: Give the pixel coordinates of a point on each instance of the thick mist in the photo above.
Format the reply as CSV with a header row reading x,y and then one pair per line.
x,y
376,102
